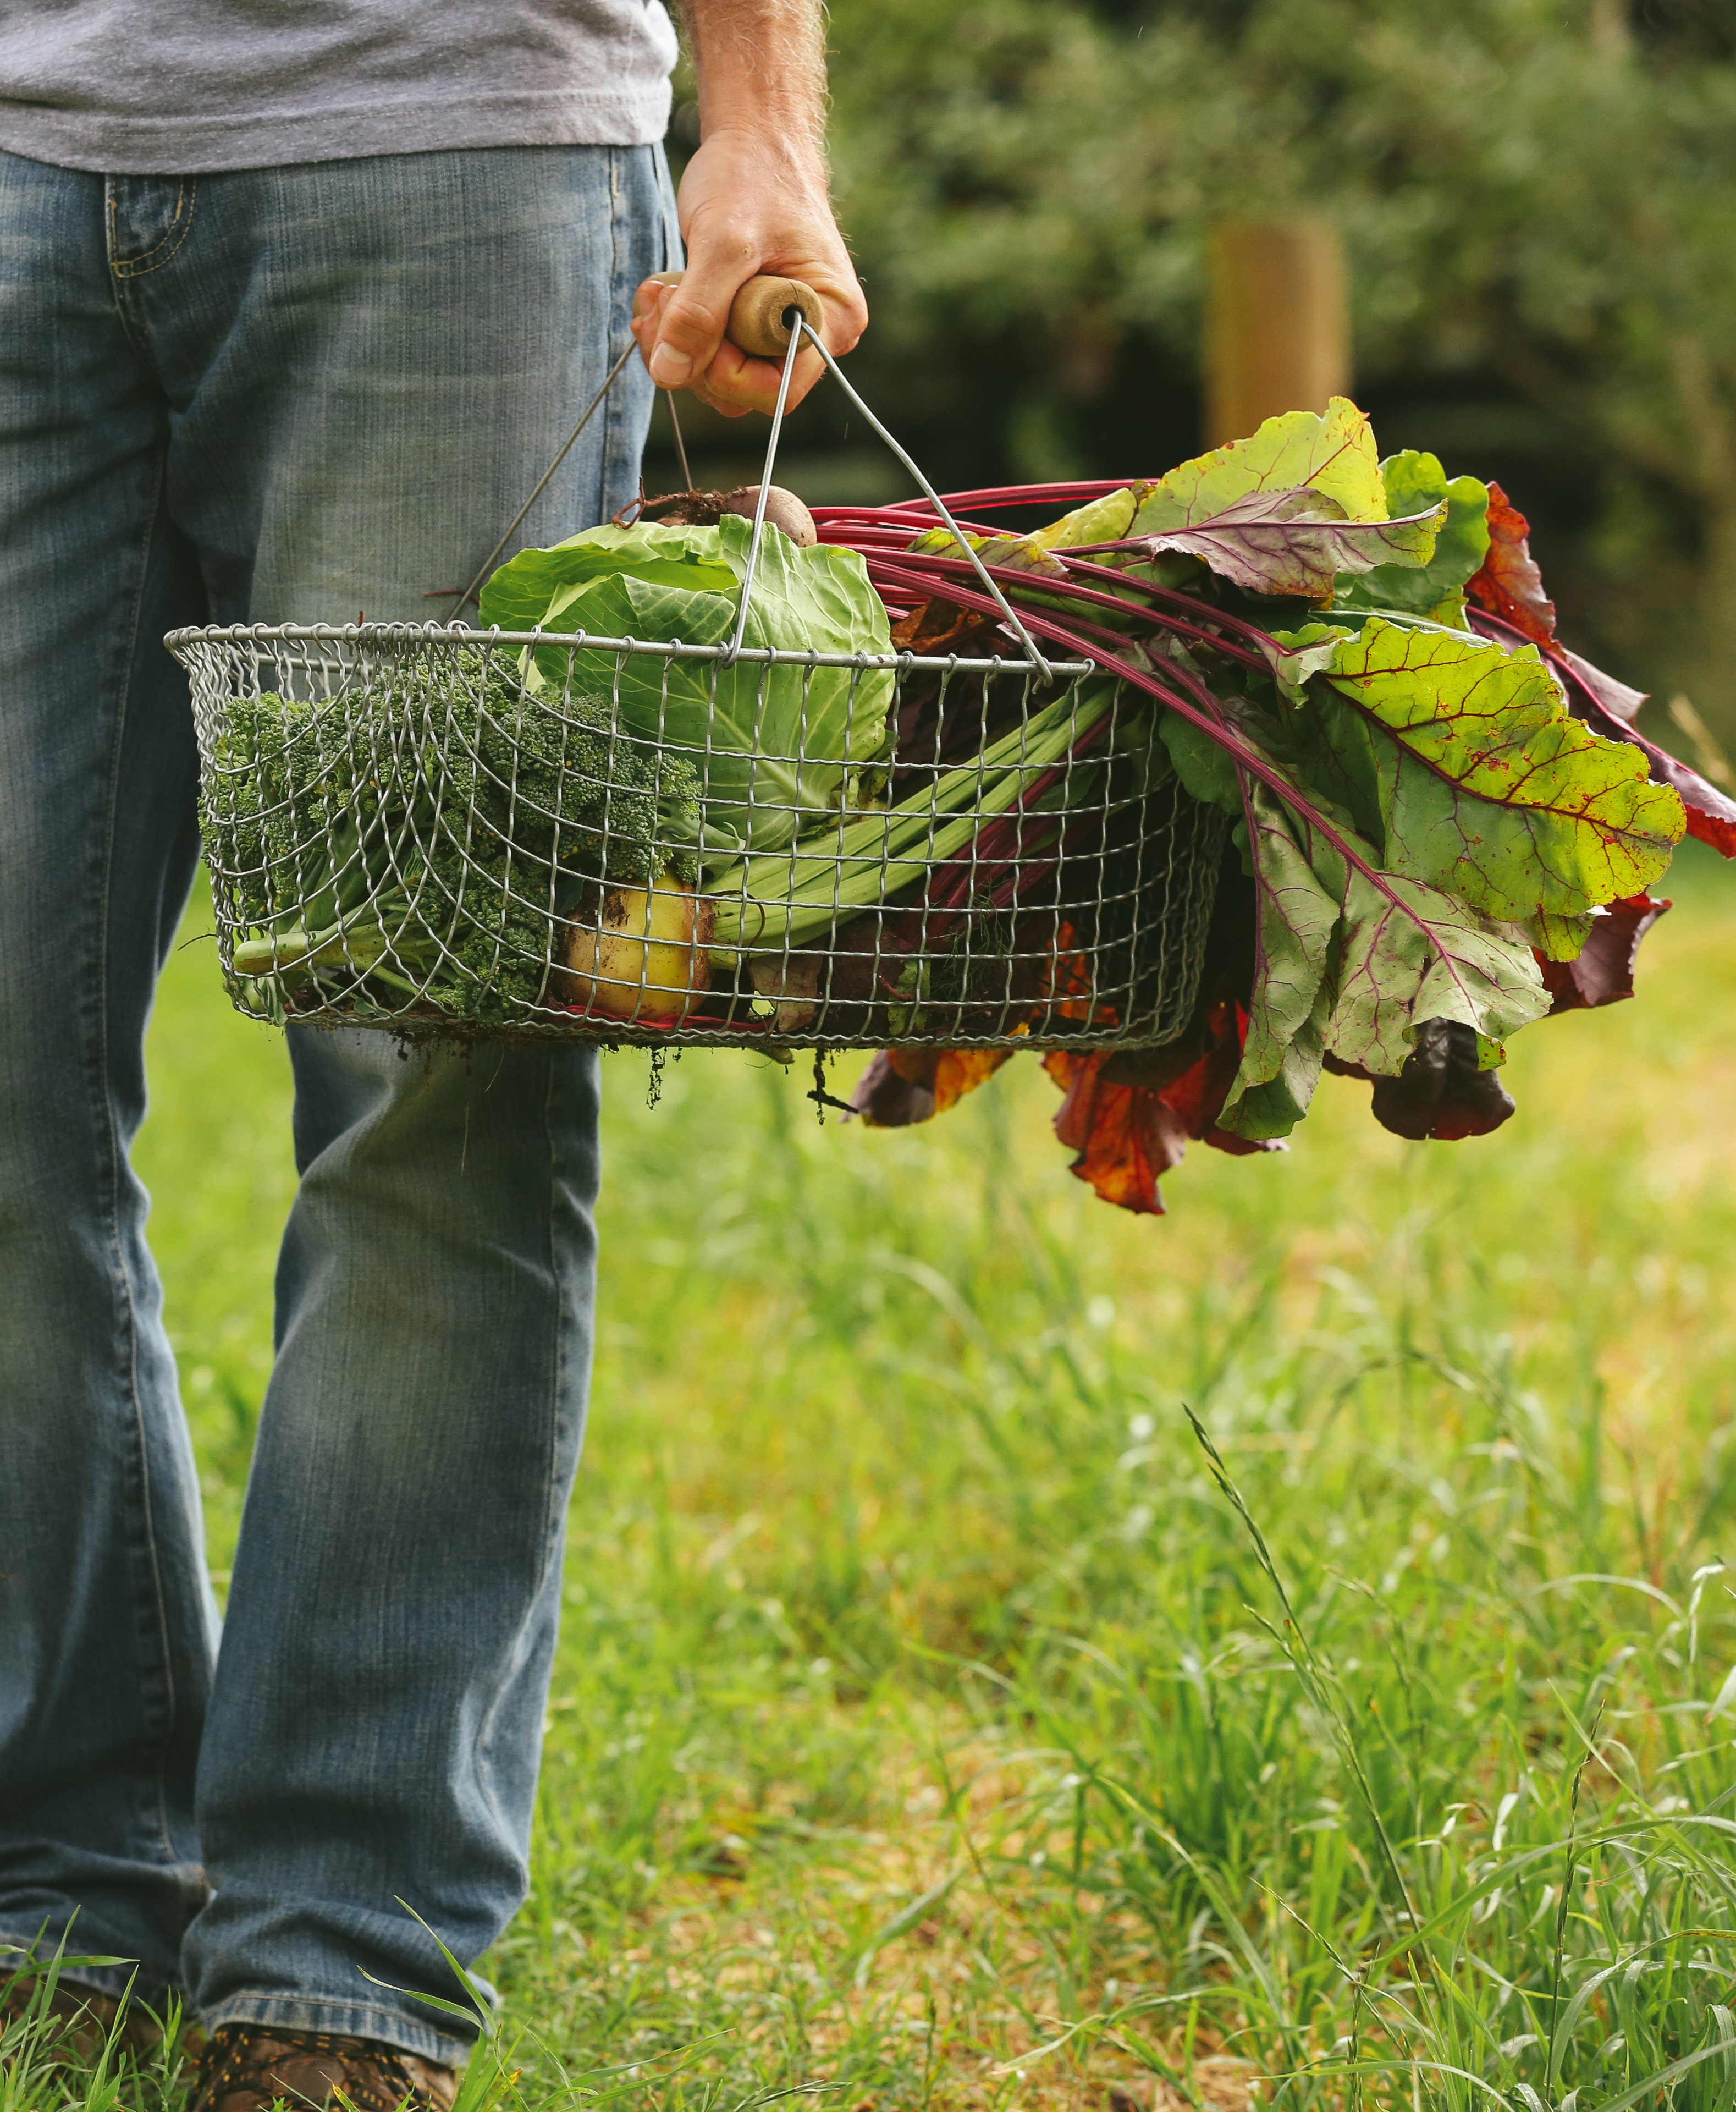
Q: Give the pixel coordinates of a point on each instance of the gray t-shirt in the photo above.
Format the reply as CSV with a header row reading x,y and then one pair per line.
x,y
182,87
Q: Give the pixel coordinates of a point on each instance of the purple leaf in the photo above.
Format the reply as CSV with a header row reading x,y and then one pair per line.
x,y
1440,1093
1603,971
1297,542
1616,698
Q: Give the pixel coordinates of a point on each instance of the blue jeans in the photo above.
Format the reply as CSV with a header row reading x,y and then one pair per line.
x,y
280,393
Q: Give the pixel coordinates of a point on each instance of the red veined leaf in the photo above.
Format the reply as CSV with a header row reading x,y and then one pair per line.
x,y
1296,542
1711,813
1423,937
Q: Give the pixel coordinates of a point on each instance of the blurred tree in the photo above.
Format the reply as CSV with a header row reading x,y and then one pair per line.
x,y
1539,200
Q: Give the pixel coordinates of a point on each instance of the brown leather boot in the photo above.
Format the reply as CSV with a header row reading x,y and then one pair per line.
x,y
85,2016
247,2067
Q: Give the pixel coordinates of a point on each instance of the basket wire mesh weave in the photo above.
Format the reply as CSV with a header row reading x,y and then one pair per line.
x,y
444,831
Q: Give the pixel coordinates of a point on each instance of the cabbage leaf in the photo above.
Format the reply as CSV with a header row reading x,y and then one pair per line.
x,y
773,746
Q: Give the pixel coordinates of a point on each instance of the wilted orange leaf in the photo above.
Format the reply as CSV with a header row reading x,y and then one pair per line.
x,y
1509,583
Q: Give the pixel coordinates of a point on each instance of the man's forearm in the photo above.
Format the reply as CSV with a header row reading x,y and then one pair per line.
x,y
759,63
753,199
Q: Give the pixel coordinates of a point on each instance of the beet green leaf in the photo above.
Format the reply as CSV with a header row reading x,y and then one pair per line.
x,y
1334,455
1436,588
1299,542
1353,961
1462,762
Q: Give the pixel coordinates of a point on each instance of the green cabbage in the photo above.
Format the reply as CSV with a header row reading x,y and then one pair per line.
x,y
774,747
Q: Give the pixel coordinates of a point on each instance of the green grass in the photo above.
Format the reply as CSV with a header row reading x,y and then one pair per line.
x,y
929,1729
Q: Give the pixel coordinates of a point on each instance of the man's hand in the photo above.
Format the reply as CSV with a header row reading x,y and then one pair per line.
x,y
753,199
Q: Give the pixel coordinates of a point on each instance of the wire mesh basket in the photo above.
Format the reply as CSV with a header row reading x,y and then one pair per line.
x,y
442,831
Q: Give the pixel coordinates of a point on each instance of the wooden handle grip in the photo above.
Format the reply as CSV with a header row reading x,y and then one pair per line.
x,y
756,324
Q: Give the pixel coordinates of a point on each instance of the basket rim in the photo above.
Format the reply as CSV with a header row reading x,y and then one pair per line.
x,y
446,633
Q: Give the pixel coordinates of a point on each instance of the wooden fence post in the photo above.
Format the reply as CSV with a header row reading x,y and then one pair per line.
x,y
1277,322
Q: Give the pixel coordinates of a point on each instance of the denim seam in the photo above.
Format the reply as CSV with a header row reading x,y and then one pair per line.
x,y
554,1508
158,1686
618,234
169,241
555,1511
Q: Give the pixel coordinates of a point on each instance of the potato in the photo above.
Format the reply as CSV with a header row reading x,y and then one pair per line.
x,y
638,953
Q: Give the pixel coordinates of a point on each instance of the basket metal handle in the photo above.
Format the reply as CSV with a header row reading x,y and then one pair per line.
x,y
768,318
798,326
757,325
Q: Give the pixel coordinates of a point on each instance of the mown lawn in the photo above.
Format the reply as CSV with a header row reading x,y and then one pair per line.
x,y
927,1730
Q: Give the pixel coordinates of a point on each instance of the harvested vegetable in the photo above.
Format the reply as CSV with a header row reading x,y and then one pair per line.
x,y
705,509
784,512
747,729
1331,796
637,952
445,872
1445,826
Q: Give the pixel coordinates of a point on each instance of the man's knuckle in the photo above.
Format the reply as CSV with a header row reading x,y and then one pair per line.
x,y
691,322
726,244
